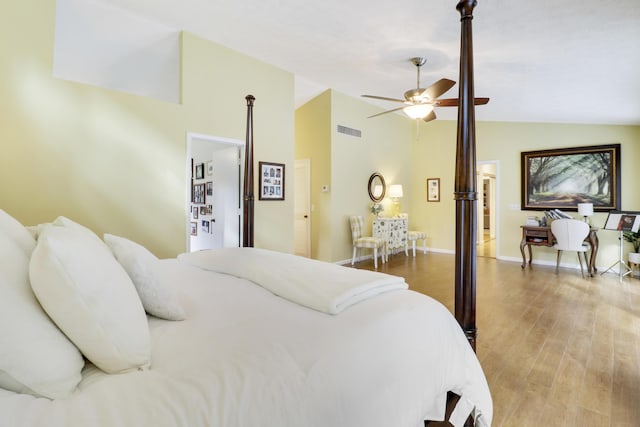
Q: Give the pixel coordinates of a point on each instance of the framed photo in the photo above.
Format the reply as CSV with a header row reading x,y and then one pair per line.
x,y
560,179
210,188
433,189
205,226
199,171
194,228
210,167
194,211
271,181
198,195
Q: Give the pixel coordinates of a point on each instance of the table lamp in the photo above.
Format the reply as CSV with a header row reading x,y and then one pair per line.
x,y
586,210
395,192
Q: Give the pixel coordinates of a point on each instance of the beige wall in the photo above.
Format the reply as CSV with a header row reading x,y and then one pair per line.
x,y
392,145
434,156
117,162
313,141
345,163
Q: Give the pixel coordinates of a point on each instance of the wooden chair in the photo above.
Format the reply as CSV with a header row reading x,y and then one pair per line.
x,y
360,241
570,235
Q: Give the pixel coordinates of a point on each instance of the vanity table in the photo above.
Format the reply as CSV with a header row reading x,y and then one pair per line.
x,y
542,236
394,232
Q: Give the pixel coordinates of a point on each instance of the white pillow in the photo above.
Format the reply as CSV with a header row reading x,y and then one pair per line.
x,y
35,356
158,296
90,297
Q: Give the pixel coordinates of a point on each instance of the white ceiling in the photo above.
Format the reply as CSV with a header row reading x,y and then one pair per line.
x,y
562,61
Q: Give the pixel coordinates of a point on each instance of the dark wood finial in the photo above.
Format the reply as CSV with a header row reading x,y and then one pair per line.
x,y
250,99
465,7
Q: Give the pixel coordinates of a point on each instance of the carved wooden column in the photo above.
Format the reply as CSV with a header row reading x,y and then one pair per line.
x,y
465,183
247,206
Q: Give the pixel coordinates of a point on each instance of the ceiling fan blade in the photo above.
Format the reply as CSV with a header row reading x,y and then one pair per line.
x,y
453,102
385,112
430,116
384,98
438,88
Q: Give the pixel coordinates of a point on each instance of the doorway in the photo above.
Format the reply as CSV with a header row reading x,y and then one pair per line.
x,y
487,238
214,203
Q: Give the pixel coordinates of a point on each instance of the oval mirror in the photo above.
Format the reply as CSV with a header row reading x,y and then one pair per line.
x,y
377,187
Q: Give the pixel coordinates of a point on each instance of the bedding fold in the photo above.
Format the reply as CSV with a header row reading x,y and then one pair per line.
x,y
322,286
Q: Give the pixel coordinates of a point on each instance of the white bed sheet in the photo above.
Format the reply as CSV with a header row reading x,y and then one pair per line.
x,y
245,357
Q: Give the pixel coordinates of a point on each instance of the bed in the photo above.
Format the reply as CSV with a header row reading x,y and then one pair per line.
x,y
97,331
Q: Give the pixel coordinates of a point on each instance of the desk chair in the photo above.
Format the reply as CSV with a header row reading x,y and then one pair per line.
x,y
570,235
360,241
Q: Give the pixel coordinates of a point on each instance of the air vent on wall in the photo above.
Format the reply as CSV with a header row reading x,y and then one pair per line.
x,y
349,131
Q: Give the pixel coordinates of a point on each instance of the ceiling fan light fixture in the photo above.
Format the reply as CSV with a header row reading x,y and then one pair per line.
x,y
418,111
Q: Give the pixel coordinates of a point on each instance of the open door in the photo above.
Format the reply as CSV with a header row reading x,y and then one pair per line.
x,y
214,199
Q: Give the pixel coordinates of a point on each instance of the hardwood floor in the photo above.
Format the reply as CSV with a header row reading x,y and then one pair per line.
x,y
557,349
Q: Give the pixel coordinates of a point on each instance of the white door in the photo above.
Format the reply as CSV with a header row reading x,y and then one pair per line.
x,y
302,214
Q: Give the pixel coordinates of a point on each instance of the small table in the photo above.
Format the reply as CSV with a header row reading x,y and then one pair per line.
x,y
394,232
542,236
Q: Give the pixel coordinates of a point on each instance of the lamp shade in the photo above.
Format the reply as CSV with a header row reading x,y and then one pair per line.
x,y
585,209
395,191
418,111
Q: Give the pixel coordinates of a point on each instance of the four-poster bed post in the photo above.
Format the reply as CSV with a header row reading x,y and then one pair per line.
x,y
247,206
465,183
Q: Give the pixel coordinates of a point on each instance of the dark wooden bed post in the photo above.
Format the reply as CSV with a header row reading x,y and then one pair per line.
x,y
465,183
247,193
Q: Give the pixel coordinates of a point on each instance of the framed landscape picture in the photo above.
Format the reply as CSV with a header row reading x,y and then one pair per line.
x,y
562,178
271,181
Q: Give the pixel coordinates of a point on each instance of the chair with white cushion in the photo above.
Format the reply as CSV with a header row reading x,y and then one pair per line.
x,y
570,235
360,241
413,236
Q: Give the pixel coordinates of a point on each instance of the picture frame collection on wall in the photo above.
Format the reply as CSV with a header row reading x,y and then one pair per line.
x,y
202,190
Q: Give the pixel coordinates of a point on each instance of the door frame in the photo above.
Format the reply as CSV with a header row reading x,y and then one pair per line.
x,y
495,200
191,136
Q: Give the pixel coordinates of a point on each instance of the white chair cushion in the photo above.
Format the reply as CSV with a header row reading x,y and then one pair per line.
x,y
416,235
369,242
35,356
158,297
87,293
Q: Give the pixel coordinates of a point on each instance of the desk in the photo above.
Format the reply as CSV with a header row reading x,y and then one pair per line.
x,y
542,236
393,231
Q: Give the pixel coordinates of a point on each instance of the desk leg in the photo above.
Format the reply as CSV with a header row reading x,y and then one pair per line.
x,y
594,242
524,257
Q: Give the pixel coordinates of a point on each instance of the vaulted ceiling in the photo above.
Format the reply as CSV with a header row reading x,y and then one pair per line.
x,y
561,61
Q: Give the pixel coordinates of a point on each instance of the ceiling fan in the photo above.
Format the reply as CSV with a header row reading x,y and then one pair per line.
x,y
420,102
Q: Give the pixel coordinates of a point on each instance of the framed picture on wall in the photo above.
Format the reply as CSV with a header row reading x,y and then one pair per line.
x,y
210,167
433,189
198,195
200,171
271,181
194,228
562,178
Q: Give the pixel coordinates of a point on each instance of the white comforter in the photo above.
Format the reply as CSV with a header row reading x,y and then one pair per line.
x,y
245,358
323,286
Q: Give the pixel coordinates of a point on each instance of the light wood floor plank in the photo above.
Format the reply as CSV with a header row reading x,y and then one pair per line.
x,y
557,349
